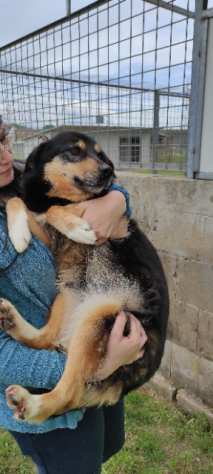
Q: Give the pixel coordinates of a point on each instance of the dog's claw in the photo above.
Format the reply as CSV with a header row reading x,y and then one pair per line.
x,y
25,406
16,401
7,322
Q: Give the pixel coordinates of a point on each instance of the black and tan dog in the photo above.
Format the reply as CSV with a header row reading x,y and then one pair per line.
x,y
95,283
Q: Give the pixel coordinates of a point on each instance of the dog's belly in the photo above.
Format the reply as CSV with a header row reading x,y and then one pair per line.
x,y
91,269
103,273
102,284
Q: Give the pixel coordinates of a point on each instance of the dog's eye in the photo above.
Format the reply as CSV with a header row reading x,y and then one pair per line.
x,y
29,167
99,154
75,150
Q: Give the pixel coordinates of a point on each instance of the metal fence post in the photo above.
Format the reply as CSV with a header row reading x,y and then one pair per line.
x,y
197,94
155,131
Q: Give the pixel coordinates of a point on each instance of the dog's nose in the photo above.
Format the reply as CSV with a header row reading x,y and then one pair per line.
x,y
106,171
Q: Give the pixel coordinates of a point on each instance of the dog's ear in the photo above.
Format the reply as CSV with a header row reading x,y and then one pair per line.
x,y
105,159
43,138
34,156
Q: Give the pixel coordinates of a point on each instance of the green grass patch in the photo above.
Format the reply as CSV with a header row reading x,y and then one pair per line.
x,y
162,440
11,460
171,157
154,171
159,440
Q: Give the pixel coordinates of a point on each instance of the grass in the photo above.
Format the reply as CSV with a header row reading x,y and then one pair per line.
x,y
160,440
155,171
171,157
11,461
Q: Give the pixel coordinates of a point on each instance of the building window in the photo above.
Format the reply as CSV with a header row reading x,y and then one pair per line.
x,y
130,148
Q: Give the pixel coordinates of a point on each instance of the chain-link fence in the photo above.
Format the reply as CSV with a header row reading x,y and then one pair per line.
x,y
117,69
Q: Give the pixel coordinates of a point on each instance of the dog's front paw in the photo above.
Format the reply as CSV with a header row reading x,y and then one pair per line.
x,y
7,316
19,231
24,405
82,233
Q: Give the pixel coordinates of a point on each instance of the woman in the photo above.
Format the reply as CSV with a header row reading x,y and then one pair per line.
x,y
78,441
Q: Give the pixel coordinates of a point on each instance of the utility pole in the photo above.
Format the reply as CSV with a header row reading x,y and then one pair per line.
x,y
68,2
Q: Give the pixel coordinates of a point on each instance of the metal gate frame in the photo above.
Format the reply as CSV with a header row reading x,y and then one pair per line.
x,y
201,15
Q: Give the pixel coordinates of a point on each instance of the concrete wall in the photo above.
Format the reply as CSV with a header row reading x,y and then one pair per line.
x,y
177,215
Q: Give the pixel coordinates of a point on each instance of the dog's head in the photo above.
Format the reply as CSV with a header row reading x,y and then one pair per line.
x,y
71,167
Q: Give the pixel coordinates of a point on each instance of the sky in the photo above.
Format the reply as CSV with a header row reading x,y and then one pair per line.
x,y
19,17
28,15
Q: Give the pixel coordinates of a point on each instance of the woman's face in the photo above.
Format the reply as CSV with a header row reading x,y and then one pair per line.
x,y
6,164
6,158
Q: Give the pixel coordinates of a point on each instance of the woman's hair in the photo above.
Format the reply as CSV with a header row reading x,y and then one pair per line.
x,y
14,188
11,190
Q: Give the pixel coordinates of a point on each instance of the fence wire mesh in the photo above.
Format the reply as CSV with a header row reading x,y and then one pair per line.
x,y
117,69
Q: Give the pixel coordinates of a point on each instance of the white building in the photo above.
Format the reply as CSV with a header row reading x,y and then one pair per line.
x,y
125,146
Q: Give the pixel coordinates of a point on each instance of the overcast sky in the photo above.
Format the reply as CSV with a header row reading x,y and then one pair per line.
x,y
19,17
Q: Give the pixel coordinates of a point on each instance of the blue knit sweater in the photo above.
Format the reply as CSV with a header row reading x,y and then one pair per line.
x,y
29,283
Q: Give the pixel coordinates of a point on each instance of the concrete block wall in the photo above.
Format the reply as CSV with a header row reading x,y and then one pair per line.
x,y
177,215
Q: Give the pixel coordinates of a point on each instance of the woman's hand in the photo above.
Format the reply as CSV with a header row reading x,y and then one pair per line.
x,y
123,350
105,214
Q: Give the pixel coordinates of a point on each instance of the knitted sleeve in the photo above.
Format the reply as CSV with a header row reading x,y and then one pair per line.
x,y
118,187
7,251
29,367
20,364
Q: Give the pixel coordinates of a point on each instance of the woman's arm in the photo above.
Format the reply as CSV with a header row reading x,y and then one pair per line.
x,y
20,364
42,369
29,367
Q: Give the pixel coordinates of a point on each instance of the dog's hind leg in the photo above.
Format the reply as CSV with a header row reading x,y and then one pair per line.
x,y
86,351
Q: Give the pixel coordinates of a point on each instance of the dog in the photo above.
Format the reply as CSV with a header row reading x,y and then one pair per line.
x,y
95,282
